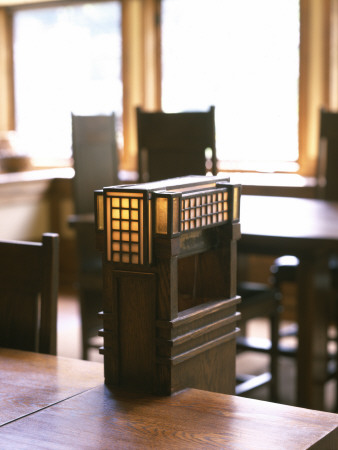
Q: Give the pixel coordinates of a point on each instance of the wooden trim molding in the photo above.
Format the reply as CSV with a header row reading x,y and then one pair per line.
x,y
334,55
314,78
6,72
140,62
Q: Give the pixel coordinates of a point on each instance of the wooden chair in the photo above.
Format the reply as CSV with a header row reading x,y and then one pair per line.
x,y
28,295
284,268
96,165
174,144
328,156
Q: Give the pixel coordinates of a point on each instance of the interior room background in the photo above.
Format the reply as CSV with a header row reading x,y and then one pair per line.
x,y
267,66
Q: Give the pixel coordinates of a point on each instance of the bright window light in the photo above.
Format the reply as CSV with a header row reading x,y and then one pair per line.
x,y
243,57
67,59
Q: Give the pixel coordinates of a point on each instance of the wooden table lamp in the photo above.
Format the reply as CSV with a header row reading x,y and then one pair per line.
x,y
169,275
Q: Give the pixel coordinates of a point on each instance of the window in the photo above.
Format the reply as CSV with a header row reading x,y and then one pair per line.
x,y
227,73
67,59
243,57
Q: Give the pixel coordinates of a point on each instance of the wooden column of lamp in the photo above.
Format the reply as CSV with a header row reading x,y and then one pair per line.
x,y
169,274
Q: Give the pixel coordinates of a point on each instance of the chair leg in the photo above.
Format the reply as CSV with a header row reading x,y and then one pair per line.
x,y
84,324
274,330
84,350
90,304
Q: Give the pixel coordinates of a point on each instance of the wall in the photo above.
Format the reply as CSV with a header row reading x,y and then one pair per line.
x,y
32,203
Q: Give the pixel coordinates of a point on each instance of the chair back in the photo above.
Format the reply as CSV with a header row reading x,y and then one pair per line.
x,y
328,156
29,277
96,166
174,144
95,158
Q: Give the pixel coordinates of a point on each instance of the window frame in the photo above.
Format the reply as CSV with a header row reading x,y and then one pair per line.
x,y
315,69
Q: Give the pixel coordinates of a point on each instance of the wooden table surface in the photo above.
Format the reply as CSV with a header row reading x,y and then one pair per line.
x,y
32,381
307,228
309,222
68,407
192,419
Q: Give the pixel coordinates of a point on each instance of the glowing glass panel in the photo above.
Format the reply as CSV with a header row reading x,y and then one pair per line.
x,y
125,214
161,215
116,246
236,204
134,215
125,217
134,237
134,248
125,236
100,212
205,213
134,203
176,206
134,226
125,257
116,202
134,259
116,235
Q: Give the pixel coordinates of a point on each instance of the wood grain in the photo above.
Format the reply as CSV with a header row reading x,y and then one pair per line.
x,y
172,325
190,419
31,381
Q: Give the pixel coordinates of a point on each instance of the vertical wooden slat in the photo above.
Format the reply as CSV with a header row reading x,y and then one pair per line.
x,y
6,72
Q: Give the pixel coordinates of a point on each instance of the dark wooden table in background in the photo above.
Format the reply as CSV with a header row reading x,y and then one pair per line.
x,y
50,402
306,228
